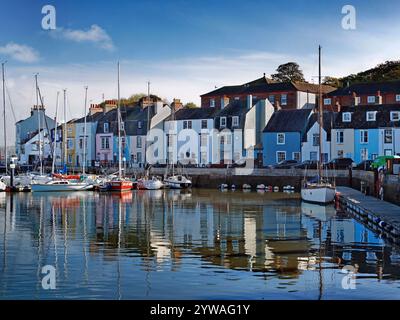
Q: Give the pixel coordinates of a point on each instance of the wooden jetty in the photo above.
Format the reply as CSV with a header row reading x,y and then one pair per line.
x,y
381,216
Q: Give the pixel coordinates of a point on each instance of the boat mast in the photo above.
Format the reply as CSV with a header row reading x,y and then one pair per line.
x,y
119,129
4,115
65,128
320,115
53,164
39,124
84,135
148,117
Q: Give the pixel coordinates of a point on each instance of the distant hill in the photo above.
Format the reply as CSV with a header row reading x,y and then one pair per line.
x,y
390,70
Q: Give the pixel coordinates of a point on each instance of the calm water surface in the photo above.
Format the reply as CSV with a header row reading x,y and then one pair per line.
x,y
203,244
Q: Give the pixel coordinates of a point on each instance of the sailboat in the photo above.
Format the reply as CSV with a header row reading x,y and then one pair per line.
x,y
119,183
319,191
176,181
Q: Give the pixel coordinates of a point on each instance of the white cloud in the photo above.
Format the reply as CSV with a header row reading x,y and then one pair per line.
x,y
20,52
95,34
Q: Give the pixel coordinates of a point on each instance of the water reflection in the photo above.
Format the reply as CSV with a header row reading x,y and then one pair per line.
x,y
175,244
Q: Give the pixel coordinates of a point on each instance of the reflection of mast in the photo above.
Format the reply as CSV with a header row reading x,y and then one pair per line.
x,y
53,213
5,240
119,249
39,253
85,240
320,260
65,243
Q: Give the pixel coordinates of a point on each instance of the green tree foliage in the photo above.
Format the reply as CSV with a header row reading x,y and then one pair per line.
x,y
190,105
288,72
332,81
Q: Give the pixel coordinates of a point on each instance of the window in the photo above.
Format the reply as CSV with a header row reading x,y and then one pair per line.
x,y
314,155
105,143
138,142
324,157
235,121
204,124
371,116
371,99
203,140
374,156
80,143
139,157
69,129
280,156
363,136
397,97
327,101
388,135
106,127
315,139
340,153
212,103
284,99
222,122
70,158
394,116
139,124
296,156
339,136
271,99
121,126
203,157
388,152
237,98
364,154
280,138
222,140
70,144
358,100
228,139
346,117
187,124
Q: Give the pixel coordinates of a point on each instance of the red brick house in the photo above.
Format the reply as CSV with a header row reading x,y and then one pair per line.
x,y
283,95
364,94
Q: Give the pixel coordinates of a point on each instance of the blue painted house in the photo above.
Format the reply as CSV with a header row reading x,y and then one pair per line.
x,y
283,135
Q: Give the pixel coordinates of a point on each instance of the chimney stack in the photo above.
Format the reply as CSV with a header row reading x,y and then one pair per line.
x,y
378,99
176,104
355,100
249,101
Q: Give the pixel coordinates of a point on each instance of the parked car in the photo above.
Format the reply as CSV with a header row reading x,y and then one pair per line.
x,y
286,164
364,165
340,163
307,164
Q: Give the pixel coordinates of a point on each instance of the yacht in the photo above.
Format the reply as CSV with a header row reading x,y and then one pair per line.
x,y
177,182
60,185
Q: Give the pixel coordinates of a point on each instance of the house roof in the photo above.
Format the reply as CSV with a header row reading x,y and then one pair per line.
x,y
328,122
359,117
193,114
90,118
131,116
368,88
264,84
288,121
235,108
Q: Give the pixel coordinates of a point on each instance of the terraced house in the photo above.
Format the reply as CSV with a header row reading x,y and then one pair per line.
x,y
282,95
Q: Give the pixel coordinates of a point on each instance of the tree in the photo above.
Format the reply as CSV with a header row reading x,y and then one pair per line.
x,y
332,81
190,105
288,72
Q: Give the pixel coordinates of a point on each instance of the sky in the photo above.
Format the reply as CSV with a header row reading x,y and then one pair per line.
x,y
184,48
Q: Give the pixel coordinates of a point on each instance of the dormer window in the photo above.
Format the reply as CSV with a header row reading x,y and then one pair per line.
x,y
394,115
327,101
222,122
397,97
371,99
284,99
371,116
139,124
235,121
346,117
106,127
212,103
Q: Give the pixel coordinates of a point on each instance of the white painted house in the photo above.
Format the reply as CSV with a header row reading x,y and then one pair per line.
x,y
310,145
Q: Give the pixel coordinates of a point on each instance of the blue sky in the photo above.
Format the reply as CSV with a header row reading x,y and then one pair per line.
x,y
185,48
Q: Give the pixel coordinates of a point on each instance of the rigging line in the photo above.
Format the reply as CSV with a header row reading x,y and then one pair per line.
x,y
45,121
11,104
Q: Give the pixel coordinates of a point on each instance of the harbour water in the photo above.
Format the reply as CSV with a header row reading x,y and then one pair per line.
x,y
203,244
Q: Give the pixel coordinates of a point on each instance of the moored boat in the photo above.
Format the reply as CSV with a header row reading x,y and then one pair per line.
x,y
177,182
149,184
60,185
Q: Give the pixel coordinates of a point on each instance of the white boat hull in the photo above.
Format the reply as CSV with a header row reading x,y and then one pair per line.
x,y
39,187
318,194
149,184
177,184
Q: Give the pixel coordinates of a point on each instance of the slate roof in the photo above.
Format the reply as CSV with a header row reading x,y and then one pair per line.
x,y
288,121
359,117
193,114
90,118
263,85
130,116
368,88
328,119
234,108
